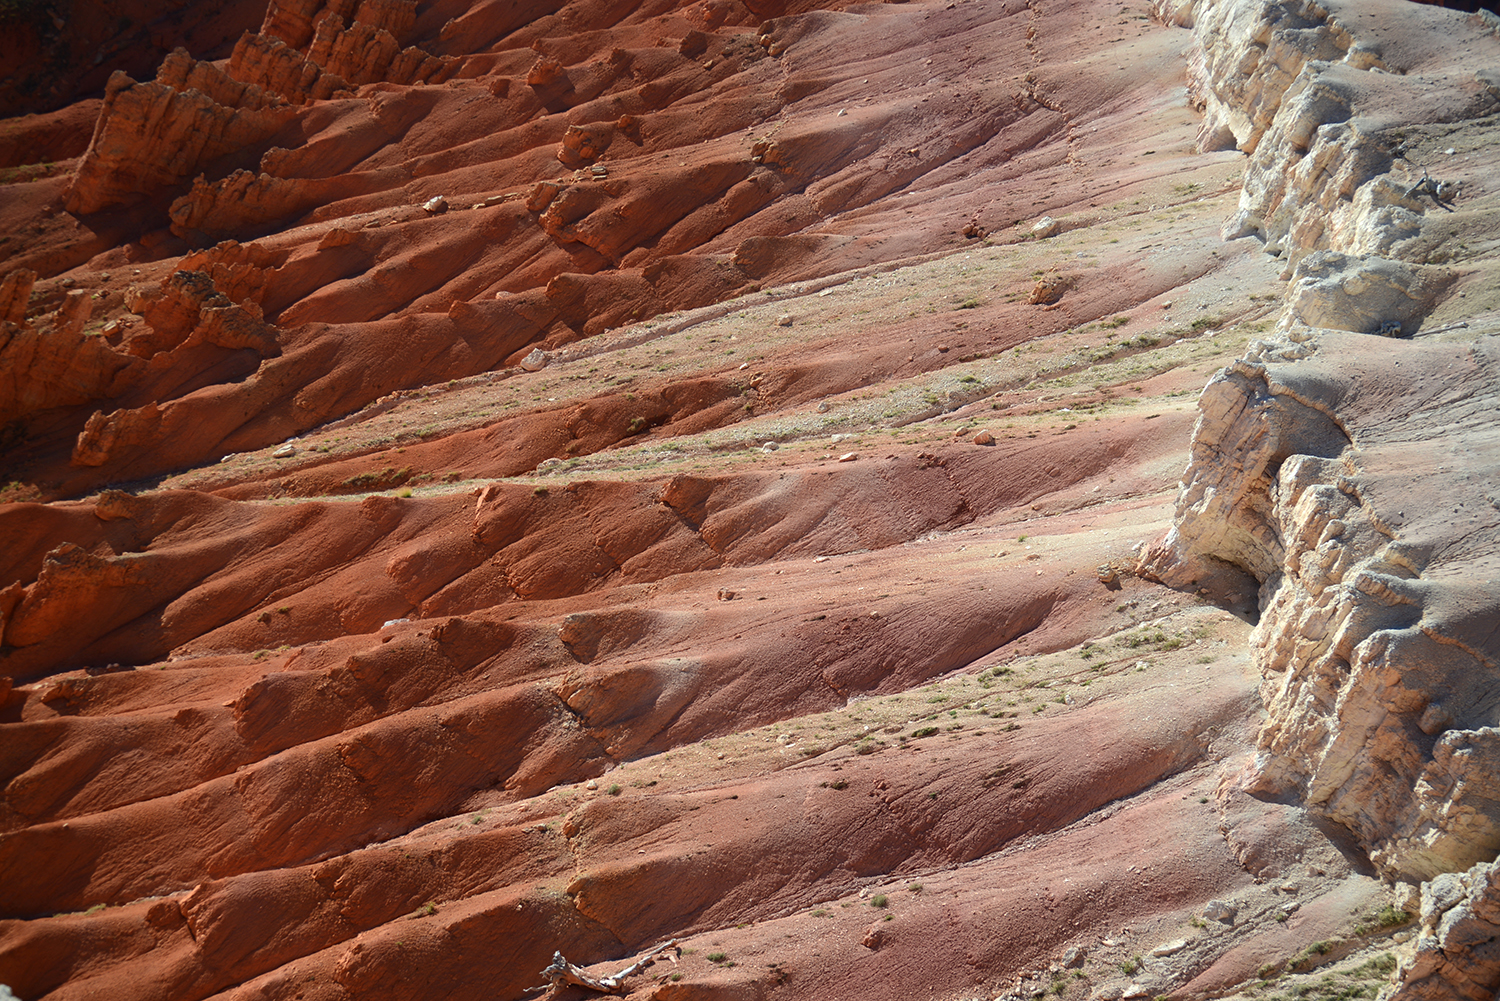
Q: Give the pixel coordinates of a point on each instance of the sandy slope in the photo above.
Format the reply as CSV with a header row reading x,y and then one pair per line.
x,y
773,613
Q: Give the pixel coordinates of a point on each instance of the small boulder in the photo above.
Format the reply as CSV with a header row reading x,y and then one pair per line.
x,y
544,71
1046,226
1170,948
984,438
1048,289
536,360
1219,910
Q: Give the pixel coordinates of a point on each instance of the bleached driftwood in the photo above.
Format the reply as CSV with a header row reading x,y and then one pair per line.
x,y
562,972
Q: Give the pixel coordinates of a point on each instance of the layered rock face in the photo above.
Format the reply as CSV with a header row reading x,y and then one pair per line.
x,y
587,188
451,605
1342,485
1312,476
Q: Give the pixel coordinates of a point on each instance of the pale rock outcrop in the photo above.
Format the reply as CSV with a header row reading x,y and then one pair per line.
x,y
1368,295
1316,92
1455,955
1311,480
1340,485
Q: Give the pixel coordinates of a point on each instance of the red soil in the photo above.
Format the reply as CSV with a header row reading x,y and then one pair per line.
x,y
487,663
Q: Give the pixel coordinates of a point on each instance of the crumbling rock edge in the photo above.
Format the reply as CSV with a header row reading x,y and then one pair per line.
x,y
1334,489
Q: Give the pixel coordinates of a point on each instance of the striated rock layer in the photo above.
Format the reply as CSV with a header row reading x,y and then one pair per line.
x,y
1343,486
1376,600
587,474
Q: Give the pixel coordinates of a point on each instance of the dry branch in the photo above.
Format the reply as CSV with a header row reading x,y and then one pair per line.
x,y
563,972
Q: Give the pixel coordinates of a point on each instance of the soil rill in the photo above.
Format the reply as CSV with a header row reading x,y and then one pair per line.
x,y
733,485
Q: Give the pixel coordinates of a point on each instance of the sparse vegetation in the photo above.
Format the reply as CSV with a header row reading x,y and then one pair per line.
x,y
1389,916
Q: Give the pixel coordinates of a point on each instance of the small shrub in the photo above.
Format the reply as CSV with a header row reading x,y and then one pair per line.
x,y
1387,917
716,957
1129,966
969,304
914,888
879,900
926,731
615,789
1380,966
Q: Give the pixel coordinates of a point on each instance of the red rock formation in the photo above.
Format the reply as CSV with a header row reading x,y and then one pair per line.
x,y
54,361
152,136
613,556
55,54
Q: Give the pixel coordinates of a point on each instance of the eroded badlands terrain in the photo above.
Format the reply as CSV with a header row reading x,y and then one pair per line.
x,y
488,480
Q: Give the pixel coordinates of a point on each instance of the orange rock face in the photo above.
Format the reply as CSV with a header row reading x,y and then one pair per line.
x,y
488,480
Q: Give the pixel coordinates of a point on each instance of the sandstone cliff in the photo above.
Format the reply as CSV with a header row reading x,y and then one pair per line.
x,y
625,472
1341,484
